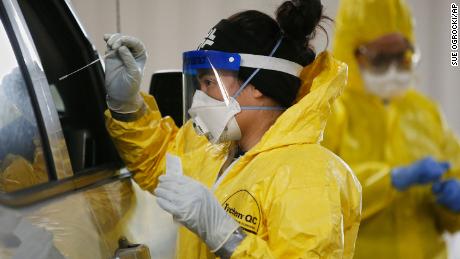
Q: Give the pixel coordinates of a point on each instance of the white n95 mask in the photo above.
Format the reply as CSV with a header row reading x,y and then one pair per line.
x,y
215,119
387,85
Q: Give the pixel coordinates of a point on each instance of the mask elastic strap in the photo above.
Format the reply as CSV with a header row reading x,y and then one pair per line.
x,y
257,70
265,108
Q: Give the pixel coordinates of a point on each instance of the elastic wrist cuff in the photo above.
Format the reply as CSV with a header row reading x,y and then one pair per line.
x,y
231,244
129,117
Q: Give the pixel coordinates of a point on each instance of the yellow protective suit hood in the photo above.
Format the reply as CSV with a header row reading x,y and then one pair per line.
x,y
263,188
304,122
361,21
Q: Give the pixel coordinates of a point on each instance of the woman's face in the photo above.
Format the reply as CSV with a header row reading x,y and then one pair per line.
x,y
225,85
221,86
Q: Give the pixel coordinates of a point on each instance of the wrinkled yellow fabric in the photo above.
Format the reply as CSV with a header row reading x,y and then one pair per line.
x,y
294,198
373,137
17,173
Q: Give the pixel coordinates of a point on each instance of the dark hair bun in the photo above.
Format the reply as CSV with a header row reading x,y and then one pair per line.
x,y
299,18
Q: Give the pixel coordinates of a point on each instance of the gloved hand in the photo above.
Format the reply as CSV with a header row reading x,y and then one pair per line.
x,y
195,207
448,194
421,172
124,68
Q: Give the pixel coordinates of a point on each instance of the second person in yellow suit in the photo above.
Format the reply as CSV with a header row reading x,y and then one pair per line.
x,y
258,184
393,137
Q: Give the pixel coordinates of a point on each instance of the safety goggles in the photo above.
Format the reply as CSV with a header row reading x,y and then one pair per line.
x,y
379,62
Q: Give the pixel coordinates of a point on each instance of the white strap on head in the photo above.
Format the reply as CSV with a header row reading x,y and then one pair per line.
x,y
271,63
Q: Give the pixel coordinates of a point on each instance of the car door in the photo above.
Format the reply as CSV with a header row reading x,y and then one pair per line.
x,y
63,190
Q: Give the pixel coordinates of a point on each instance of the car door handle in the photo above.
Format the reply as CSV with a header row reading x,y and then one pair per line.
x,y
126,250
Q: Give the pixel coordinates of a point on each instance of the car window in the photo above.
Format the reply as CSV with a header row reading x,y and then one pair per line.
x,y
21,154
79,99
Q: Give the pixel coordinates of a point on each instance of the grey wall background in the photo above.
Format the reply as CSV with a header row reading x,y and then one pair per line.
x,y
170,27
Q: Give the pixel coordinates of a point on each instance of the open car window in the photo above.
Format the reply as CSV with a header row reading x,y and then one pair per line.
x,y
79,99
22,162
54,134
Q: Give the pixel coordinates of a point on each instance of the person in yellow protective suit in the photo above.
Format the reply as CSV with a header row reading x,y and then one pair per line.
x,y
256,182
393,137
22,163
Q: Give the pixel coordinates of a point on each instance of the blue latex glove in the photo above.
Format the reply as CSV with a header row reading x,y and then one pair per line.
x,y
448,194
423,171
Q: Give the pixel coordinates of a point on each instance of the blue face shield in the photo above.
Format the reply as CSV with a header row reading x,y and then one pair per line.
x,y
210,72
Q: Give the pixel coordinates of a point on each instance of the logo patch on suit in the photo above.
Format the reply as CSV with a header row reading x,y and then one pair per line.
x,y
243,207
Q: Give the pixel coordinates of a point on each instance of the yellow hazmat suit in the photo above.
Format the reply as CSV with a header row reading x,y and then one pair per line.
x,y
294,198
373,138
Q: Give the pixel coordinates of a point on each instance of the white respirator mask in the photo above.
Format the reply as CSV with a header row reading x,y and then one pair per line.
x,y
215,119
389,84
